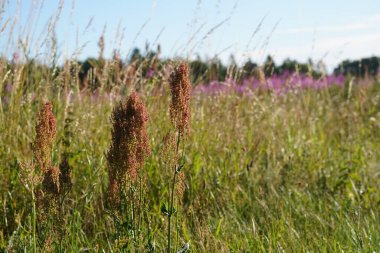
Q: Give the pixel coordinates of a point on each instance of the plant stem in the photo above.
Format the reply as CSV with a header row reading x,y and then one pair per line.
x,y
34,222
171,208
171,202
140,206
133,212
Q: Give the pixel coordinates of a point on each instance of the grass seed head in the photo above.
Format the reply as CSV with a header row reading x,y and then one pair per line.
x,y
130,144
113,188
45,134
180,88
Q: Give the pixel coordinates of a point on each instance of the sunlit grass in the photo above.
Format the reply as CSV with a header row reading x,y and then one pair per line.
x,y
295,172
264,170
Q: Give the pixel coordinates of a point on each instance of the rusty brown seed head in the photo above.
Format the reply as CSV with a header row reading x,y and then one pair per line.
x,y
180,88
45,134
130,144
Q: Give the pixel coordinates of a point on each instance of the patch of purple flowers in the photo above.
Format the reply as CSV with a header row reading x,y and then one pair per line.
x,y
277,83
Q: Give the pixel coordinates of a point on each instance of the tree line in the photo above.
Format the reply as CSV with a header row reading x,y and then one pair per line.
x,y
150,65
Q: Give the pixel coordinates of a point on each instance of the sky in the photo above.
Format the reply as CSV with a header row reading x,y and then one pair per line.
x,y
328,31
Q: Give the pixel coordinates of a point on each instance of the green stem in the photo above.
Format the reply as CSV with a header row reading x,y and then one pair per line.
x,y
177,235
133,212
171,210
171,203
34,222
140,207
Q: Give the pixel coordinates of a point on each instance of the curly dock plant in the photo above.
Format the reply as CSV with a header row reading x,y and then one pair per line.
x,y
129,147
46,182
128,150
180,117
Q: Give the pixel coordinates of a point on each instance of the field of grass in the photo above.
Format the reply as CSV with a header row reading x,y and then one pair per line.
x,y
264,172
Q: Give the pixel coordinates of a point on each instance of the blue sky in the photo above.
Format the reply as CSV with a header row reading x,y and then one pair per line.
x,y
322,30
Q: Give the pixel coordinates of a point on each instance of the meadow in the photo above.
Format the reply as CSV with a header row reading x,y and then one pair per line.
x,y
259,171
142,153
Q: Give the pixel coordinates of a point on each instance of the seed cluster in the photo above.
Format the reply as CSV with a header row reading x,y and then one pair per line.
x,y
180,92
130,144
54,179
45,135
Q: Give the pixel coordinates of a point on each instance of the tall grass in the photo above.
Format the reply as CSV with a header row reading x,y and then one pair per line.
x,y
294,172
259,172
